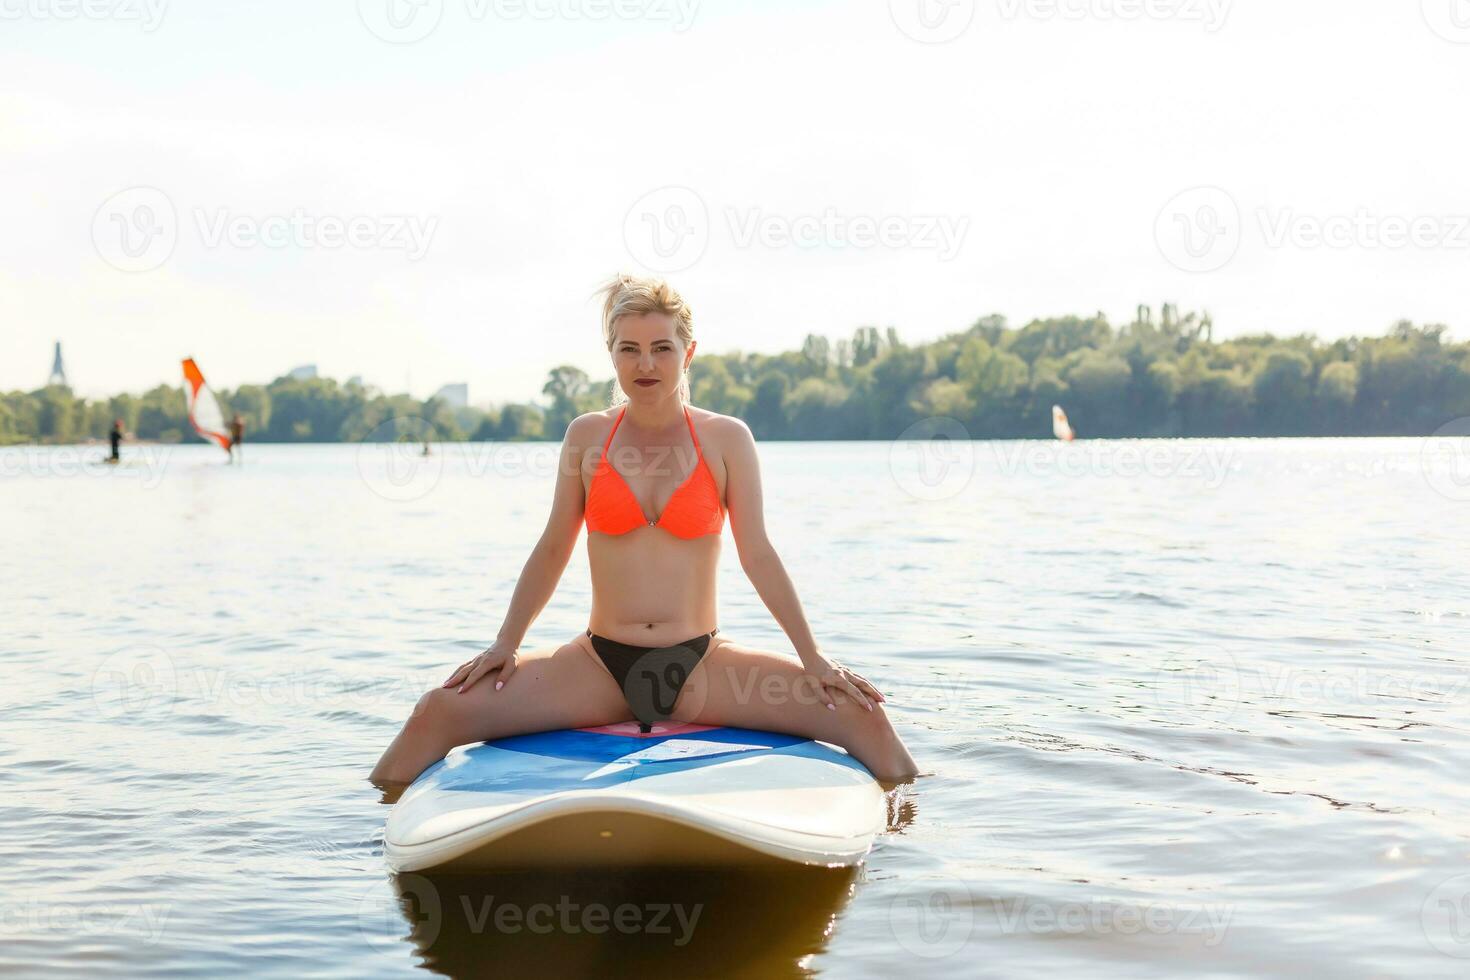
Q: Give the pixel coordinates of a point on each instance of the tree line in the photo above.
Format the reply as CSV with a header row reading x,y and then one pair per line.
x,y
1158,376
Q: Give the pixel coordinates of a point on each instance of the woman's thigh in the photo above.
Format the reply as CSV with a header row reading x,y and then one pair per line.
x,y
746,687
551,688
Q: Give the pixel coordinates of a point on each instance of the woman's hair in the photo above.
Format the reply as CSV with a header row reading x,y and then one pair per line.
x,y
629,295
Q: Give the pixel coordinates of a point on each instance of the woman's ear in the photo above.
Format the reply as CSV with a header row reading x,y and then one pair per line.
x,y
689,354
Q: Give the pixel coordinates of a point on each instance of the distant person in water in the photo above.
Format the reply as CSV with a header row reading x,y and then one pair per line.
x,y
237,436
115,437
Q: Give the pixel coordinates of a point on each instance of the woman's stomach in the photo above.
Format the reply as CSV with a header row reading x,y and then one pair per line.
x,y
651,588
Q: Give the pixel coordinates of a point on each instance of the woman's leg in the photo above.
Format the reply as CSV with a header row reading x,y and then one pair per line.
x,y
749,688
550,689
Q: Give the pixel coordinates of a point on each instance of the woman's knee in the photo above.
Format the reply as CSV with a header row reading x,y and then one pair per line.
x,y
440,709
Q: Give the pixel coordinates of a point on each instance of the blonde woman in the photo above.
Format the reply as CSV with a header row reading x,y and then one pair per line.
x,y
653,479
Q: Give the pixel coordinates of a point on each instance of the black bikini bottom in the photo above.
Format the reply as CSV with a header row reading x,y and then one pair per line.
x,y
651,677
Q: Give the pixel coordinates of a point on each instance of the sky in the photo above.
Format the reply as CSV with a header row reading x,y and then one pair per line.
x,y
430,191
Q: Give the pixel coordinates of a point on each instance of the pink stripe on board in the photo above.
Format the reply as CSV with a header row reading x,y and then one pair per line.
x,y
630,729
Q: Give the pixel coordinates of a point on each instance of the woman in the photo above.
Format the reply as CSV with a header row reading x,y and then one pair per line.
x,y
653,651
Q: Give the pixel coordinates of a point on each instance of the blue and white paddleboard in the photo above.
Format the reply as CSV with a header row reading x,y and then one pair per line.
x,y
678,796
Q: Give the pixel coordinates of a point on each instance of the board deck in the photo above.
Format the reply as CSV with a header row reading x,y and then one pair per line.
x,y
678,796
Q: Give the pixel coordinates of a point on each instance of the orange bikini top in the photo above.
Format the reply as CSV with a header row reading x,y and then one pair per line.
x,y
692,512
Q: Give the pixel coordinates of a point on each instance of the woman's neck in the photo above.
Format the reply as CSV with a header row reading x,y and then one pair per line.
x,y
657,417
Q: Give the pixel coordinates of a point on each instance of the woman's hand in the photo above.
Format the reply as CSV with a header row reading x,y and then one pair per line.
x,y
501,657
831,676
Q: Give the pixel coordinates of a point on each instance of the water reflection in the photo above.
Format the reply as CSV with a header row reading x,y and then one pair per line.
x,y
646,924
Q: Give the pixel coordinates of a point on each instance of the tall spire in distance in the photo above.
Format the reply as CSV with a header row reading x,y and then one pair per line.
x,y
58,370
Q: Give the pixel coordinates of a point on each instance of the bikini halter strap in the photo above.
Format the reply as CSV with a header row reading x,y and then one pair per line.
x,y
687,418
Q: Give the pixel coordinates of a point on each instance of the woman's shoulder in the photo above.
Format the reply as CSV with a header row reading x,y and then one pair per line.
x,y
727,429
592,427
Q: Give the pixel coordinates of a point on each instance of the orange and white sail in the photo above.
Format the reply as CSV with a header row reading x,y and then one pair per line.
x,y
204,410
1060,427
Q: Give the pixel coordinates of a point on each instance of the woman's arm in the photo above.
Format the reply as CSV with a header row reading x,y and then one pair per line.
x,y
548,560
758,556
542,571
743,499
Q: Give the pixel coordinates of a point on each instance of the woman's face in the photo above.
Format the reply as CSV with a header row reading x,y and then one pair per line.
x,y
647,356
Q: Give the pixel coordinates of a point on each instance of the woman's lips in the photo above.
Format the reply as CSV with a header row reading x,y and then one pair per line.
x,y
646,382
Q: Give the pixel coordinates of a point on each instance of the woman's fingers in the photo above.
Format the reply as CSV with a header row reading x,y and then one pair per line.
x,y
822,682
506,669
857,695
479,670
866,686
458,674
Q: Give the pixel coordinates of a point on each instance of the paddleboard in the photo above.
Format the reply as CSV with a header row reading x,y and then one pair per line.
x,y
610,797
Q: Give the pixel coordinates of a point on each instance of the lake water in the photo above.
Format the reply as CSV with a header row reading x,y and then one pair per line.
x,y
1181,707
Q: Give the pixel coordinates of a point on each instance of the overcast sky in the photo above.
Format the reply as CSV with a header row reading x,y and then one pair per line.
x,y
428,192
